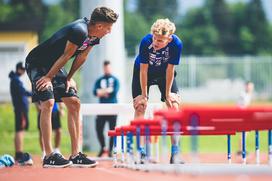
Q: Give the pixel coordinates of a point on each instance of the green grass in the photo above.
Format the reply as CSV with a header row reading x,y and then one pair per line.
x,y
31,141
207,144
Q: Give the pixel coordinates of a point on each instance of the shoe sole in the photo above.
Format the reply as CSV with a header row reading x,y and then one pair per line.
x,y
58,166
26,163
84,166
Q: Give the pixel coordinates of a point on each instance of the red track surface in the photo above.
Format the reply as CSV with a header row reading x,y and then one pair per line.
x,y
105,171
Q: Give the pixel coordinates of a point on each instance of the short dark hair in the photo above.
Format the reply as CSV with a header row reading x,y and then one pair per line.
x,y
20,65
106,62
103,14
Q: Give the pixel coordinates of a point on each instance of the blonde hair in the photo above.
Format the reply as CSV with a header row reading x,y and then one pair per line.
x,y
163,27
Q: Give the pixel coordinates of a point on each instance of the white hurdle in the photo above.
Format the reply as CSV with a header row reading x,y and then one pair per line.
x,y
125,111
119,109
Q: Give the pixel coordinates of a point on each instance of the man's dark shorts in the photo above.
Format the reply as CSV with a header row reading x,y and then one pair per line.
x,y
59,85
21,120
159,80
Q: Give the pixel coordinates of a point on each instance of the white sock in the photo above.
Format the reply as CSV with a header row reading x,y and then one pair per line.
x,y
43,154
57,150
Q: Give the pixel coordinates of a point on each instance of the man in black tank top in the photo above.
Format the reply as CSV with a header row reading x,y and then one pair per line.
x,y
50,82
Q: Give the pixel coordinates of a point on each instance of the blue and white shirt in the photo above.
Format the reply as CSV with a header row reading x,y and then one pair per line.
x,y
110,82
158,60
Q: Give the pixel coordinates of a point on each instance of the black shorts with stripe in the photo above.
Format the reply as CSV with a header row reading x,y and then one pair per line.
x,y
59,85
159,80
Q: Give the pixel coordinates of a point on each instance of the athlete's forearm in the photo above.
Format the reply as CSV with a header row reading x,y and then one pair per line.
x,y
169,79
75,66
57,66
79,60
62,60
143,79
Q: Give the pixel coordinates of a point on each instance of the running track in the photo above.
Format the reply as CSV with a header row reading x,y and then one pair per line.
x,y
105,171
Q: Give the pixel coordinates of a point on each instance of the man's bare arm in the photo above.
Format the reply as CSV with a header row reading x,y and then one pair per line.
x,y
45,81
79,60
69,51
143,78
169,81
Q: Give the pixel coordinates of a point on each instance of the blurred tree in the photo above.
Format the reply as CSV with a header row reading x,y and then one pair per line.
x,y
47,19
67,11
136,28
199,36
71,9
240,32
52,23
28,10
221,18
258,26
5,11
134,34
153,8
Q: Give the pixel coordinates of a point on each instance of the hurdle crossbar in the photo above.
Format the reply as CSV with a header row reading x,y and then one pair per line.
x,y
113,109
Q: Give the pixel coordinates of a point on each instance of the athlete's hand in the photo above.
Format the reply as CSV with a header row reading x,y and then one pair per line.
x,y
44,83
71,83
171,99
140,100
168,102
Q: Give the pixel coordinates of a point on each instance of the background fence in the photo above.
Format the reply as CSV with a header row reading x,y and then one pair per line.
x,y
200,79
213,79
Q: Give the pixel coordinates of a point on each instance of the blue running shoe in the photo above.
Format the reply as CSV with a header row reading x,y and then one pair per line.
x,y
6,161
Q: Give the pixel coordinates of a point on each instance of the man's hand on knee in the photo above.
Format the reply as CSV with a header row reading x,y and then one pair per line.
x,y
140,103
172,100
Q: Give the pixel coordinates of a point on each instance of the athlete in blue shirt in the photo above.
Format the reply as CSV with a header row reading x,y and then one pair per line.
x,y
51,83
159,53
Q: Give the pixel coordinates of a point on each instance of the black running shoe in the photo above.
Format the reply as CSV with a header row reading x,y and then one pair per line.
x,y
81,160
25,160
56,160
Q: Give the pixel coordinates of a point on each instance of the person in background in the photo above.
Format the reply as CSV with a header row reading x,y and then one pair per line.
x,y
106,89
243,102
19,96
245,97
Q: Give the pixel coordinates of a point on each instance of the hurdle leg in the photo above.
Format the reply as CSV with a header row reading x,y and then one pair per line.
x,y
157,150
164,141
175,144
122,148
257,147
194,122
229,148
270,147
244,147
147,143
138,144
114,150
130,148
